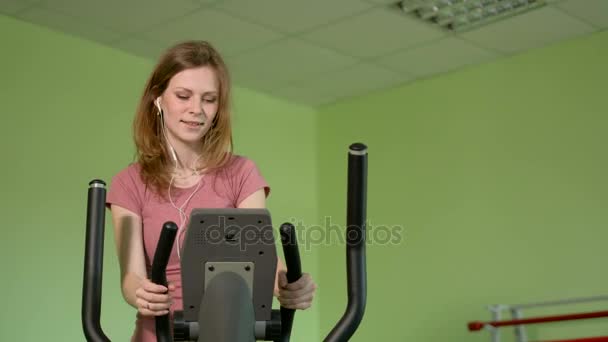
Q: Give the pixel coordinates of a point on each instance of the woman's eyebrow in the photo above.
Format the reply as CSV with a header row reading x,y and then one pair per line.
x,y
209,92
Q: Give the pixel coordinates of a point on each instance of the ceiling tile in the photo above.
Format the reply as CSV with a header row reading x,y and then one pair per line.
x,y
374,33
207,2
530,30
284,61
67,24
293,16
12,7
443,55
594,12
353,81
301,96
383,2
141,47
230,35
124,16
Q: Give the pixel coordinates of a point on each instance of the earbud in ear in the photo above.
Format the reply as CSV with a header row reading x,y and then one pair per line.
x,y
160,113
157,103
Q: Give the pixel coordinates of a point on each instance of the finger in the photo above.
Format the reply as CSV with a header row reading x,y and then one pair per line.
x,y
153,297
290,302
286,293
171,287
294,294
158,306
282,278
151,287
300,283
302,306
295,301
155,309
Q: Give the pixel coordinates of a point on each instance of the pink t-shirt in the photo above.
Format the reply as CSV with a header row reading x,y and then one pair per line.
x,y
222,189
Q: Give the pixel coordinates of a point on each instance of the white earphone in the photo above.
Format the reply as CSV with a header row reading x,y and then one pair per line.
x,y
160,112
181,209
157,103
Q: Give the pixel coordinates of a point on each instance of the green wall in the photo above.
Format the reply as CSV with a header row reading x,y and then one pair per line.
x,y
496,176
67,111
490,181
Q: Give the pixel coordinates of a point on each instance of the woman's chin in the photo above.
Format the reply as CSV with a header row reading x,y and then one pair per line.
x,y
192,139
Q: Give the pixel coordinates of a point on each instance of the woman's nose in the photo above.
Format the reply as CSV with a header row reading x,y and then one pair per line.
x,y
197,107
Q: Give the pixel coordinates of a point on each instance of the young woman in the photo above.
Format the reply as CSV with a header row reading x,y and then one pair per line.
x,y
183,137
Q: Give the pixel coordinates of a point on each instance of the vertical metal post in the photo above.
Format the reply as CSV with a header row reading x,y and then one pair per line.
x,y
520,330
496,315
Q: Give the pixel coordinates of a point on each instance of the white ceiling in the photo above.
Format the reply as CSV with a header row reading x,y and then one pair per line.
x,y
311,52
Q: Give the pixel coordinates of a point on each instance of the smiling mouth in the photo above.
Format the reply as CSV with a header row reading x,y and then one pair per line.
x,y
192,123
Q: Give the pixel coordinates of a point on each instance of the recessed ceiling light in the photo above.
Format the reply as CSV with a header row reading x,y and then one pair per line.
x,y
461,15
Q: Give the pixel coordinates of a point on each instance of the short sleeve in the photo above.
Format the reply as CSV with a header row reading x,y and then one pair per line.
x,y
251,180
125,192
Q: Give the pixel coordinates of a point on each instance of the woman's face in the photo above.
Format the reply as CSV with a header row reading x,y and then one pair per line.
x,y
190,104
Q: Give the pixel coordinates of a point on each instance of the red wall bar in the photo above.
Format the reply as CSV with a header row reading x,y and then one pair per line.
x,y
475,326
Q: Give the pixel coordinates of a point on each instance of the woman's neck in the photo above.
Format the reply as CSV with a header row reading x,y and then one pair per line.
x,y
189,158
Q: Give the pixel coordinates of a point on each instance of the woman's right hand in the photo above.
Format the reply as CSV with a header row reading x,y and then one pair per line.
x,y
153,299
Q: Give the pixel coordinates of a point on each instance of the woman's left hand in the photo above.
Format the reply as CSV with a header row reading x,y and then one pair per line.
x,y
296,295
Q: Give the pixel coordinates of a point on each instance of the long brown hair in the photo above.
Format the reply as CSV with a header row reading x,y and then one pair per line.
x,y
216,144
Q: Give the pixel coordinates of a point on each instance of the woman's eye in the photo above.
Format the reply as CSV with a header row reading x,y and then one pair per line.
x,y
183,97
210,100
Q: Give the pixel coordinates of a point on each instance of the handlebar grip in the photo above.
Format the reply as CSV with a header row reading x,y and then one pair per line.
x,y
294,272
159,276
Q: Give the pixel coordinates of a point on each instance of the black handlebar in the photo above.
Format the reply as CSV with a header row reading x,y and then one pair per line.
x,y
159,275
355,245
294,272
93,266
93,263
